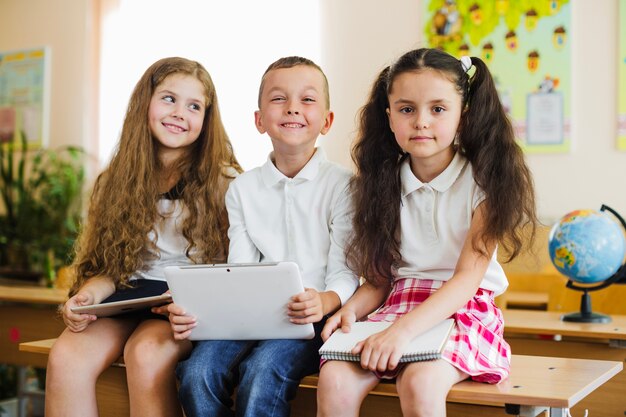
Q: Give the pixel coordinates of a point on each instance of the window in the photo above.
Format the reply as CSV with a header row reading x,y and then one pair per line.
x,y
235,41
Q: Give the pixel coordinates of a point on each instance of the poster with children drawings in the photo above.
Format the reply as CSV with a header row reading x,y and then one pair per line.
x,y
526,45
621,113
24,95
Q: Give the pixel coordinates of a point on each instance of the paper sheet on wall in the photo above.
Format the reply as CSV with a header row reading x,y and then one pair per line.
x,y
544,119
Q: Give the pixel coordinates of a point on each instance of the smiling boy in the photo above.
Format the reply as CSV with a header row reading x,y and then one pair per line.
x,y
295,207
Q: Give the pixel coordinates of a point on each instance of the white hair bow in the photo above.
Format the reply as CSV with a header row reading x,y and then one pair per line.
x,y
466,63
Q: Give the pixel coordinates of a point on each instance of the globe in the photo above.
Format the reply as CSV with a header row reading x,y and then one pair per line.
x,y
587,246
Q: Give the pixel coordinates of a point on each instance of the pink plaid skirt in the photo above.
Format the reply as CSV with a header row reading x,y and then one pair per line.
x,y
476,345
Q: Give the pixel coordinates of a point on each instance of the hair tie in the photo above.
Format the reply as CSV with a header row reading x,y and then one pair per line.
x,y
466,63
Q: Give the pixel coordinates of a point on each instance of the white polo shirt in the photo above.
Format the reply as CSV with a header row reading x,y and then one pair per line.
x,y
435,219
305,219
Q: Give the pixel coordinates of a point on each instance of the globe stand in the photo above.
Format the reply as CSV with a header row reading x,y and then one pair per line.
x,y
585,315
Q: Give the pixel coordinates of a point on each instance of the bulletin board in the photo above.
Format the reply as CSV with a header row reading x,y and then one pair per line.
x,y
621,91
526,45
24,95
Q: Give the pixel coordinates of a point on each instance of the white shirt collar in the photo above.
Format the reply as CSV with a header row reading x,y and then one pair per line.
x,y
440,183
272,176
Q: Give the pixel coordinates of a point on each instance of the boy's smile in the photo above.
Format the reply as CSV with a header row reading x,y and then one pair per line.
x,y
293,109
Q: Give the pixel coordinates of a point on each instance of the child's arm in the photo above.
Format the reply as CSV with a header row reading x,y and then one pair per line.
x,y
366,299
241,248
93,291
339,278
339,282
383,350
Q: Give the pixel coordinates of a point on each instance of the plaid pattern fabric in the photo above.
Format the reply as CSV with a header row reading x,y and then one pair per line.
x,y
476,345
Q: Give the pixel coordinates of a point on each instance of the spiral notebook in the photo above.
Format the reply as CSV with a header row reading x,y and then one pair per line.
x,y
425,347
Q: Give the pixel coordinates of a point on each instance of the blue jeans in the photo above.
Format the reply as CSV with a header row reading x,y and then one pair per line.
x,y
267,374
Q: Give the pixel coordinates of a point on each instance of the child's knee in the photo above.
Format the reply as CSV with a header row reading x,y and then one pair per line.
x,y
424,387
334,385
63,356
142,353
67,363
59,358
192,373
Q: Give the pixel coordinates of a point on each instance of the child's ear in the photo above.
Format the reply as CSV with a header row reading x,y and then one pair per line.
x,y
258,122
389,119
328,122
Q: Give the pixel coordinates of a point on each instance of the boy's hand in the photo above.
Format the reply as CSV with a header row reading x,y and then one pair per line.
x,y
342,319
306,307
77,322
382,351
162,310
180,322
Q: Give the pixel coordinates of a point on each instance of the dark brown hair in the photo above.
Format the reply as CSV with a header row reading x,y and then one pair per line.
x,y
485,138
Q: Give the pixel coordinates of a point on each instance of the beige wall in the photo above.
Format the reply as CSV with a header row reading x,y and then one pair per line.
x,y
359,37
67,28
357,43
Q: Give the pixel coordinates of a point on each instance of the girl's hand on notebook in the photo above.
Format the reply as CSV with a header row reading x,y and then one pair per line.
x,y
77,322
180,322
382,351
342,319
306,307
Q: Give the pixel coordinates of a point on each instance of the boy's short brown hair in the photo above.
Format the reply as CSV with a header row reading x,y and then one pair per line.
x,y
290,62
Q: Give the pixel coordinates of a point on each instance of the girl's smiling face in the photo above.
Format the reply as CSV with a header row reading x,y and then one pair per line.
x,y
424,113
176,114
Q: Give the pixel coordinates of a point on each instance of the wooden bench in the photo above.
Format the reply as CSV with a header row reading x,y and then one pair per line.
x,y
537,384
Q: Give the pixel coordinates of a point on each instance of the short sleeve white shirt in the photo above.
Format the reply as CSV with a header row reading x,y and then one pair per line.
x,y
435,219
305,219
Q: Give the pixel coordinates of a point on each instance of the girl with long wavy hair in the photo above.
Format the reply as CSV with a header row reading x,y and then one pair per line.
x,y
159,202
440,182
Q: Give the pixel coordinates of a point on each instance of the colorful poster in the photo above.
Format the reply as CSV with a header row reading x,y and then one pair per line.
x,y
23,95
526,45
621,90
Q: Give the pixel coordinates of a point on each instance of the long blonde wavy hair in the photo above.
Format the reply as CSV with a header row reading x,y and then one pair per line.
x,y
115,241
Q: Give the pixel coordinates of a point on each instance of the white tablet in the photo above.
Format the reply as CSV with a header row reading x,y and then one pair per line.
x,y
239,301
125,306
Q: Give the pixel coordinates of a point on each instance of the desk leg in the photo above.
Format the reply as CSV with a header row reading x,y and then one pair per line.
x,y
21,389
558,412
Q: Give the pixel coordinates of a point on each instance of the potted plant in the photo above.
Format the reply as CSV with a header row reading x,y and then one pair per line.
x,y
40,208
8,390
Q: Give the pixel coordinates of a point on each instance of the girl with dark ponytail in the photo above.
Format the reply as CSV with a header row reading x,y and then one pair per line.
x,y
440,182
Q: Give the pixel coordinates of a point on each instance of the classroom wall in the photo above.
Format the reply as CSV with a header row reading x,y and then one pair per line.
x,y
69,29
359,37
